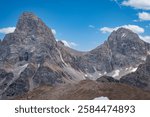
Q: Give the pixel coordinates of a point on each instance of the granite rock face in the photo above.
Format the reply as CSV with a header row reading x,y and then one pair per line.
x,y
5,79
30,57
123,49
140,78
107,79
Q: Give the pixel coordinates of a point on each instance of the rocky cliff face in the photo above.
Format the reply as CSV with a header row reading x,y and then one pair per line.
x,y
140,78
119,55
31,57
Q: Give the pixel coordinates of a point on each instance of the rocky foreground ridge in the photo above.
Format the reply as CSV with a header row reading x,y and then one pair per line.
x,y
31,58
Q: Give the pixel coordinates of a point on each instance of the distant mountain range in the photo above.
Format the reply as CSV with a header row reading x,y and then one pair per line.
x,y
31,58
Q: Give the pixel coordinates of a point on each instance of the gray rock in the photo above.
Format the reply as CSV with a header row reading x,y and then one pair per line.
x,y
122,49
107,79
30,46
35,58
46,76
140,78
20,85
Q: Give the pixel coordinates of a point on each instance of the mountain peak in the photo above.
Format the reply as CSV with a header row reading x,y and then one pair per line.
x,y
29,25
123,34
27,20
123,30
28,16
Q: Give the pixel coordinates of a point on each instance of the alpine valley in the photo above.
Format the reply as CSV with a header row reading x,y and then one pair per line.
x,y
33,65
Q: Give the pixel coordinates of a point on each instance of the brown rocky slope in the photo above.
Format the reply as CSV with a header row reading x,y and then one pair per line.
x,y
87,90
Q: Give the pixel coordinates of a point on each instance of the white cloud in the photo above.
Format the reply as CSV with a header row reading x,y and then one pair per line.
x,y
7,30
53,31
73,44
145,38
91,26
136,20
144,16
134,28
69,44
137,4
66,43
107,30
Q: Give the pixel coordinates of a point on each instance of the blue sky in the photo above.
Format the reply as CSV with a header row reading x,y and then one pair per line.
x,y
83,24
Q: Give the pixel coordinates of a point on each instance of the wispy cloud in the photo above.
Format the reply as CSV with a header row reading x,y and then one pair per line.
x,y
144,16
145,38
137,4
134,28
7,30
91,26
54,31
66,43
69,44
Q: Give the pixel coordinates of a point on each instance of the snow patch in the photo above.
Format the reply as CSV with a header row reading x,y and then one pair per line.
x,y
62,58
33,36
127,68
133,69
99,74
38,65
94,68
133,48
116,73
33,49
86,75
123,35
143,58
101,98
20,69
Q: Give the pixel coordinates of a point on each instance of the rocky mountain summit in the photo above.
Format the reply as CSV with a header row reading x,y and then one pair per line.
x,y
119,55
30,57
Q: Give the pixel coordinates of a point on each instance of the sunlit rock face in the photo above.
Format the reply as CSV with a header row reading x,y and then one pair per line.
x,y
123,52
30,57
